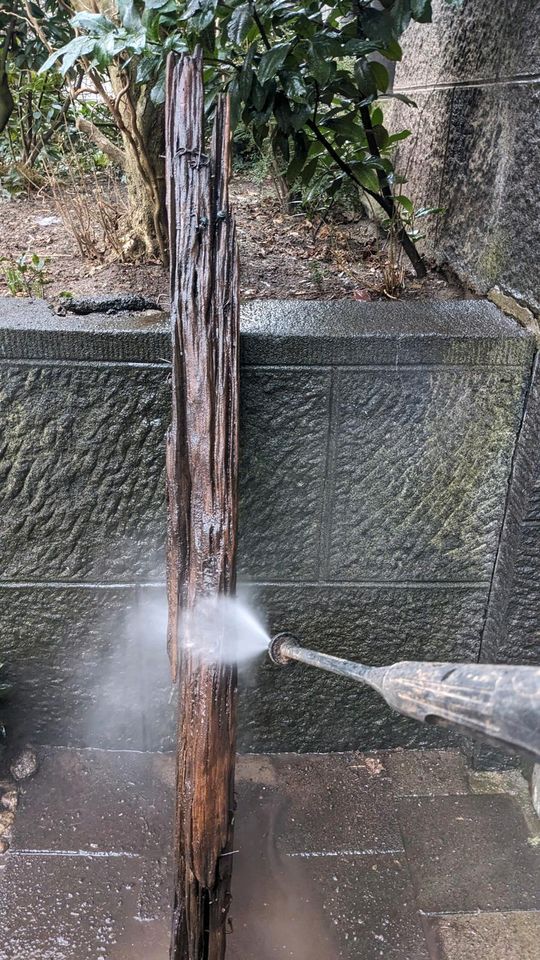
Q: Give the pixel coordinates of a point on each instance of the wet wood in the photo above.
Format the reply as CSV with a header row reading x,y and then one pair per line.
x,y
202,464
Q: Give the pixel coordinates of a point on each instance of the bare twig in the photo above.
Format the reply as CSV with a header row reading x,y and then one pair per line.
x,y
110,149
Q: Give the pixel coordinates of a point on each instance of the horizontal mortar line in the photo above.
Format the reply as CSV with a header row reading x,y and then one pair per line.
x,y
78,584
153,584
374,851
40,362
87,854
478,912
448,366
521,79
354,584
62,748
143,365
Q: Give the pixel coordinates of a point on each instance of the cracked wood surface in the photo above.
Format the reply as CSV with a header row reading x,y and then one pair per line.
x,y
202,467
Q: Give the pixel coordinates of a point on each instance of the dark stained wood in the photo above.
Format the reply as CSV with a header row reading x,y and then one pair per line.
x,y
202,466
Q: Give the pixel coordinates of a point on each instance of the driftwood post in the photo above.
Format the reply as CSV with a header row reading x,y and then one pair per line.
x,y
202,464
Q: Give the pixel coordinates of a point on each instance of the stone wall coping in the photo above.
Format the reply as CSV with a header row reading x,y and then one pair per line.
x,y
281,332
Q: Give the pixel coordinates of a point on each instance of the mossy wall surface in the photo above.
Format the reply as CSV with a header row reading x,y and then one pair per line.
x,y
474,74
378,442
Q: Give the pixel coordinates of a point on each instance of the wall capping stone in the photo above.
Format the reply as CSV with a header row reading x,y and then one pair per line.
x,y
295,332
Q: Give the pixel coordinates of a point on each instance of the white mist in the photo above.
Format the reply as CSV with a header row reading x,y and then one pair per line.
x,y
223,629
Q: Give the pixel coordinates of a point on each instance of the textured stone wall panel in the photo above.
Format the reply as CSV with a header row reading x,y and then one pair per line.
x,y
517,533
88,666
489,229
421,464
475,40
284,427
521,644
474,72
421,157
298,708
82,472
534,504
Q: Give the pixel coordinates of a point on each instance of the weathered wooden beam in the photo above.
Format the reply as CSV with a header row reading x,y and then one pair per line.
x,y
202,466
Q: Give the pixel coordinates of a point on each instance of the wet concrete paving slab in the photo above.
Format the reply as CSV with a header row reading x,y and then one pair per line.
x,y
426,773
470,853
335,859
487,936
321,803
76,908
327,909
317,905
85,800
296,893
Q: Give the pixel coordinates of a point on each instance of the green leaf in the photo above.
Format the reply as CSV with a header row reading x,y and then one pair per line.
x,y
245,79
280,147
368,178
258,94
365,79
157,93
156,4
405,202
422,11
380,75
403,98
301,147
428,211
392,51
358,48
296,86
272,61
94,23
50,61
240,22
381,135
400,15
377,26
200,13
146,69
235,100
346,126
309,170
76,48
110,45
128,14
283,113
396,137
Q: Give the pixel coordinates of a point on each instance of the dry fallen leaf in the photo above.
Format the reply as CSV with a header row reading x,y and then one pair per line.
x,y
360,294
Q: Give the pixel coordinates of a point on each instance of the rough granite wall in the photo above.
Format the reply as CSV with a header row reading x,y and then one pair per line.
x,y
475,76
377,445
512,630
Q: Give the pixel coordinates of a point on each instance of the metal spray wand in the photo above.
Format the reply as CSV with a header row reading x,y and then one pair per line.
x,y
496,703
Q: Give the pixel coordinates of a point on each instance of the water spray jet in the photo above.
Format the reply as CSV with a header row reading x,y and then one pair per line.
x,y
497,703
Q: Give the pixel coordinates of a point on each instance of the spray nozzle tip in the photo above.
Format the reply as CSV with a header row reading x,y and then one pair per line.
x,y
277,647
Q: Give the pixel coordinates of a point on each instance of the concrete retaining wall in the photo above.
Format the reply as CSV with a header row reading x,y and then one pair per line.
x,y
377,446
475,76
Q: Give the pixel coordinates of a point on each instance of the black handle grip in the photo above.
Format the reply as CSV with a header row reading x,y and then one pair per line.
x,y
500,704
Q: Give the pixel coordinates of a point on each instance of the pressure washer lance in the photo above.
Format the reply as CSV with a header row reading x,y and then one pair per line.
x,y
497,703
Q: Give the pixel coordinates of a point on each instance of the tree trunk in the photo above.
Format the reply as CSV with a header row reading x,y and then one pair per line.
x,y
202,466
143,139
142,127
